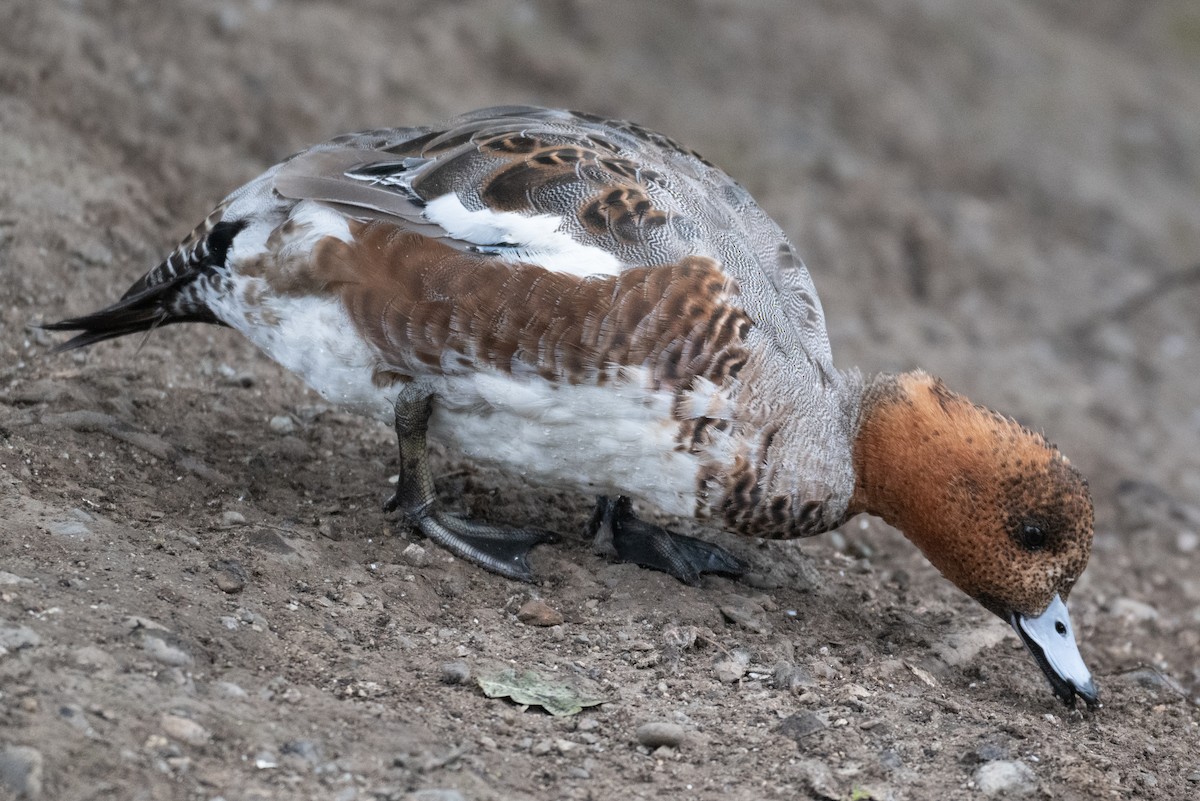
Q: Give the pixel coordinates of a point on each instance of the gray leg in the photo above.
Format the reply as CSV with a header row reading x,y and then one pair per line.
x,y
498,549
621,534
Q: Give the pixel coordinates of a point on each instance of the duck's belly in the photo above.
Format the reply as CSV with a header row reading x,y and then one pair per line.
x,y
618,438
615,439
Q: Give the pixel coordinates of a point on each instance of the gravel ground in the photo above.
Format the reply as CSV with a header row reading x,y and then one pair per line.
x,y
200,597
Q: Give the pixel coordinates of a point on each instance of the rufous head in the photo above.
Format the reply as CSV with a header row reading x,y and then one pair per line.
x,y
994,506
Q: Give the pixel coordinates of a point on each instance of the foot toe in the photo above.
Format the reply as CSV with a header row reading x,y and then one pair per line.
x,y
683,557
499,549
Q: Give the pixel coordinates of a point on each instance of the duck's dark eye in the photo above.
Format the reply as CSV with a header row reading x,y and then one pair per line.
x,y
1033,536
1060,627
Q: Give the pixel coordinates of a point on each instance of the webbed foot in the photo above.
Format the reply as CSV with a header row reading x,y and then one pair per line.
x,y
634,540
500,549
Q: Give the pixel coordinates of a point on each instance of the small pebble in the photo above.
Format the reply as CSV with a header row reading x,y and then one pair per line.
x,y
1005,777
539,613
656,734
21,771
988,752
229,689
824,670
229,576
746,613
93,658
415,555
283,424
730,670
801,725
306,750
184,730
71,529
159,649
133,622
254,619
73,715
681,637
231,518
1133,610
817,776
889,760
157,743
14,638
7,578
790,678
455,673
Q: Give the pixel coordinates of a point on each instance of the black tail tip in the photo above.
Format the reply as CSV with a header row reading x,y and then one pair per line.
x,y
108,323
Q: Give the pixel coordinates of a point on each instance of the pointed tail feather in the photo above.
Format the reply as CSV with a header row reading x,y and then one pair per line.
x,y
161,296
141,312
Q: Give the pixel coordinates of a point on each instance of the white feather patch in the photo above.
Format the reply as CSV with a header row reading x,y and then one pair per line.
x,y
314,222
529,238
611,439
251,241
314,338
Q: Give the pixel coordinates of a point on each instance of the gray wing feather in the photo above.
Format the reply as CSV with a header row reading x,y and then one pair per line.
x,y
325,175
672,202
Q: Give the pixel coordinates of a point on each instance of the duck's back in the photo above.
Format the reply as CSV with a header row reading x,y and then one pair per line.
x,y
573,193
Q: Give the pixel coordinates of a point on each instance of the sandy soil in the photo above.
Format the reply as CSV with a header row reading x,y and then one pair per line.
x,y
200,598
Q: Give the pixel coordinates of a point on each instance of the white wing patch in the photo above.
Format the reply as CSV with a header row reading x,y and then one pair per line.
x,y
529,238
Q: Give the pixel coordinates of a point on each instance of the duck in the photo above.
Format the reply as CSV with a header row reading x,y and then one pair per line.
x,y
590,305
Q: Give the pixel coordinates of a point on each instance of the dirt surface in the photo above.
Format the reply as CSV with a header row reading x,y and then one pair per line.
x,y
200,597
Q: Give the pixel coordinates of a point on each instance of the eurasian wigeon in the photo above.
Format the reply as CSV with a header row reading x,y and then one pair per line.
x,y
591,305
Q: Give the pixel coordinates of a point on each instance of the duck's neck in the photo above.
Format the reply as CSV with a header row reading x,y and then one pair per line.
x,y
913,459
